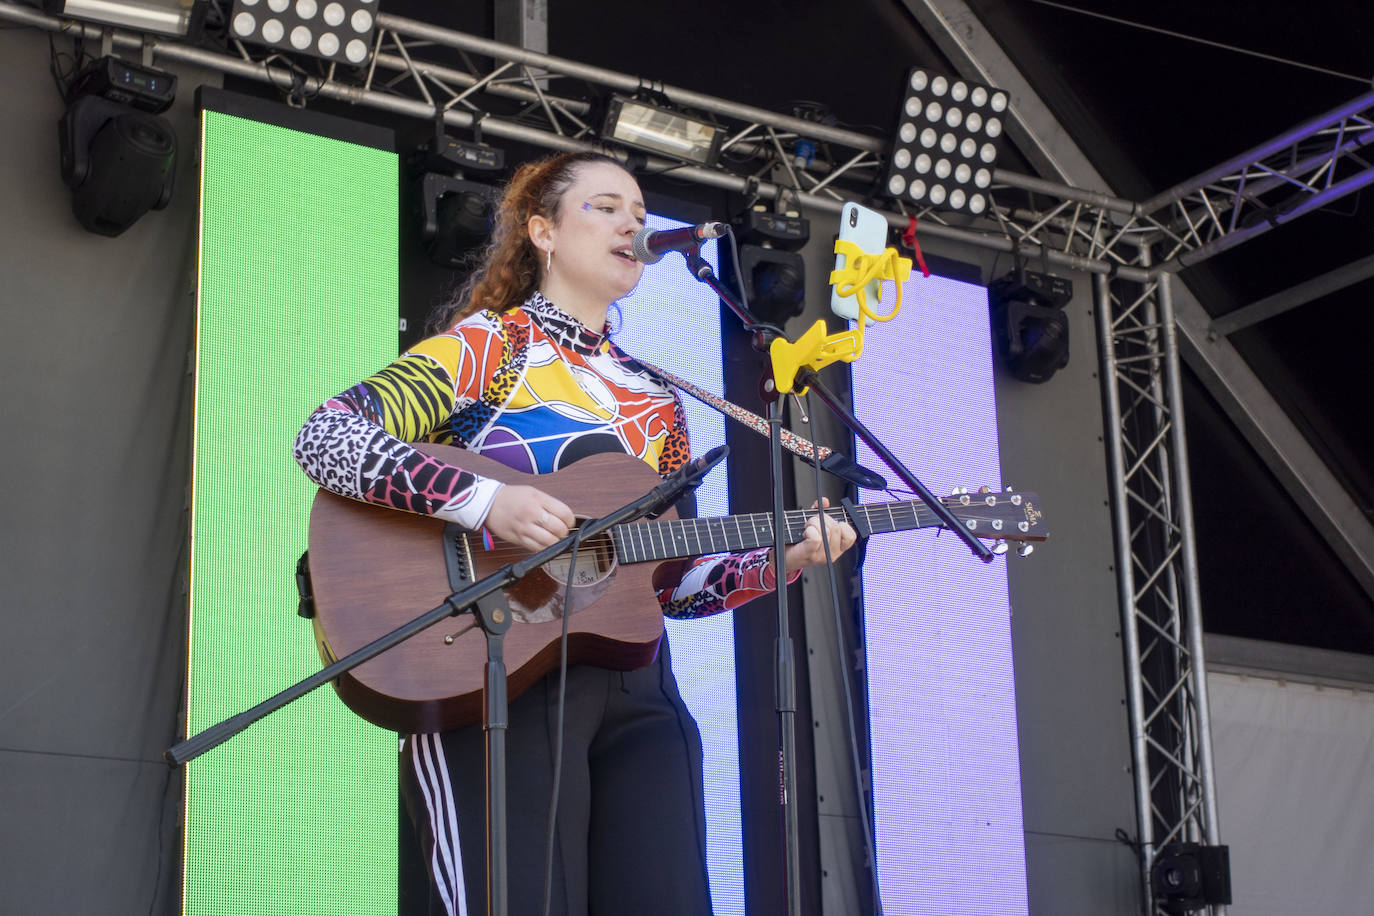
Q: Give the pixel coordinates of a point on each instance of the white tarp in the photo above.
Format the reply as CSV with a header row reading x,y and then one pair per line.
x,y
1295,789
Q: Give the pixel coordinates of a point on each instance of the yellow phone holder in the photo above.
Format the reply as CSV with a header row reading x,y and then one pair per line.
x,y
815,349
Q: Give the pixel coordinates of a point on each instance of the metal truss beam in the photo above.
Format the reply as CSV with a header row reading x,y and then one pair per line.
x,y
1310,166
1327,504
1294,296
1156,568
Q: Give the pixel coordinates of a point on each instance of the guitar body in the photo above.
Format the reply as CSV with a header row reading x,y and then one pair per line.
x,y
374,569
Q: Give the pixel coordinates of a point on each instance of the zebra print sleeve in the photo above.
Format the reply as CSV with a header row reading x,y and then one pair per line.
x,y
357,444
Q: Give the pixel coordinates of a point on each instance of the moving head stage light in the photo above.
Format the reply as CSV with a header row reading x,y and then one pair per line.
x,y
1029,323
118,156
770,271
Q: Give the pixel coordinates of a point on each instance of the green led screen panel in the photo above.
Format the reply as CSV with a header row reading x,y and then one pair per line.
x,y
297,300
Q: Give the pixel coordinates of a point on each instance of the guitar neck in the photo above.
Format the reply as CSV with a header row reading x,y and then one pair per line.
x,y
642,542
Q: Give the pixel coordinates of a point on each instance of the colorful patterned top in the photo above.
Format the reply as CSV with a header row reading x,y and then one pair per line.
x,y
536,390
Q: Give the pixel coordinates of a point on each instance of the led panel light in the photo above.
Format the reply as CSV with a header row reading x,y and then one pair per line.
x,y
165,17
337,30
946,143
659,130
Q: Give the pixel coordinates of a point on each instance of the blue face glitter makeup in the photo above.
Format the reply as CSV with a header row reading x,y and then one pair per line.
x,y
586,205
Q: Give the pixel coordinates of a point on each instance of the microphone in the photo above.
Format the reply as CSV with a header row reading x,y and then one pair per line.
x,y
650,246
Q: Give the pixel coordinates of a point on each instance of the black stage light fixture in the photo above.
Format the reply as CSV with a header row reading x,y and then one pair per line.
x,y
770,271
1189,876
335,30
117,155
1029,323
773,230
456,214
774,282
946,144
659,129
457,217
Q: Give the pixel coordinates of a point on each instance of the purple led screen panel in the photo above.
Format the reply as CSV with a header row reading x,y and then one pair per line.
x,y
942,705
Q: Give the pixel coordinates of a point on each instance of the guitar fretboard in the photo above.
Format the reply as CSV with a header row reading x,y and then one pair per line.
x,y
641,542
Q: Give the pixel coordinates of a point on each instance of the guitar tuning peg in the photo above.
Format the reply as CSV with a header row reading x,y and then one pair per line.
x,y
1026,549
1008,489
958,491
999,549
984,491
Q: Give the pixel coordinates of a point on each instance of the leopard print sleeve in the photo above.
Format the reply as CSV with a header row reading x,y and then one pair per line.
x,y
357,444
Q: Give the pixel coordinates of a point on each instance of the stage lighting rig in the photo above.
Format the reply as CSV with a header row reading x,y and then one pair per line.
x,y
770,271
117,156
659,129
333,30
1188,876
1029,323
946,144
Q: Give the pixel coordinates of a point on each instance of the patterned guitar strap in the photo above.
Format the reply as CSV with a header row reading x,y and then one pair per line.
x,y
790,440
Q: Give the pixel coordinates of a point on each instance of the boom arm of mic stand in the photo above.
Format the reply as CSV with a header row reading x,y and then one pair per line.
x,y
808,378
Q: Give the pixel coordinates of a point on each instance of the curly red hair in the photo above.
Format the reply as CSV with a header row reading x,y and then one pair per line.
x,y
508,272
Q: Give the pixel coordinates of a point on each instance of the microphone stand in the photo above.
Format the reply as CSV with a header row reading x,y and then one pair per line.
x,y
785,685
493,615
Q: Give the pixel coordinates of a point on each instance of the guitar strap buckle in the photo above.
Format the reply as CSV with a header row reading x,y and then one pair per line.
x,y
305,607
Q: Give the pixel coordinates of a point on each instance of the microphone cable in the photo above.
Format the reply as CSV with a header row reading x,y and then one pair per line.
x,y
558,728
865,812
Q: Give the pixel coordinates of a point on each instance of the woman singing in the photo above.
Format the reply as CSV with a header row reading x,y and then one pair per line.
x,y
526,373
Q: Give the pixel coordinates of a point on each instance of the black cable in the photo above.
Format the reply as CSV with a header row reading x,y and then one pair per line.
x,y
865,815
1126,839
63,77
741,287
558,728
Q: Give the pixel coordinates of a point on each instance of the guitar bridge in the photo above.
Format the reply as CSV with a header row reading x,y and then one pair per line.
x,y
458,557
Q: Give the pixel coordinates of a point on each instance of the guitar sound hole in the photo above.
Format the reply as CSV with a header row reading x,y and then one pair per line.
x,y
595,561
538,598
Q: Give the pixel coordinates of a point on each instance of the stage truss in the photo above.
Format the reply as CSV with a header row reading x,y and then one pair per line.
x,y
1133,248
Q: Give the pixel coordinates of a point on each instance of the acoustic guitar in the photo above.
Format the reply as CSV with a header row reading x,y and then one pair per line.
x,y
373,569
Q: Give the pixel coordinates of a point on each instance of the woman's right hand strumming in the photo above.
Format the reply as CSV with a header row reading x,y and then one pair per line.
x,y
529,517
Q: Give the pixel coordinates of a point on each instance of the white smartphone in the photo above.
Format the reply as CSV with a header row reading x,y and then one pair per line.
x,y
867,229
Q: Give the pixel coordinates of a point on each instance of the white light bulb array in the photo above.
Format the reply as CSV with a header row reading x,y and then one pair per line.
x,y
330,29
946,145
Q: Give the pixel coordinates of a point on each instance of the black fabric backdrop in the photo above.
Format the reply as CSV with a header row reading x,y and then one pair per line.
x,y
96,409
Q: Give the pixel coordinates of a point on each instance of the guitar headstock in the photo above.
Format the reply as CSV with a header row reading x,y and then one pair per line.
x,y
1012,515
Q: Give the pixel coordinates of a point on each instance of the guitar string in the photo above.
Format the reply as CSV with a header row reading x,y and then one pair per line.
x,y
897,515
